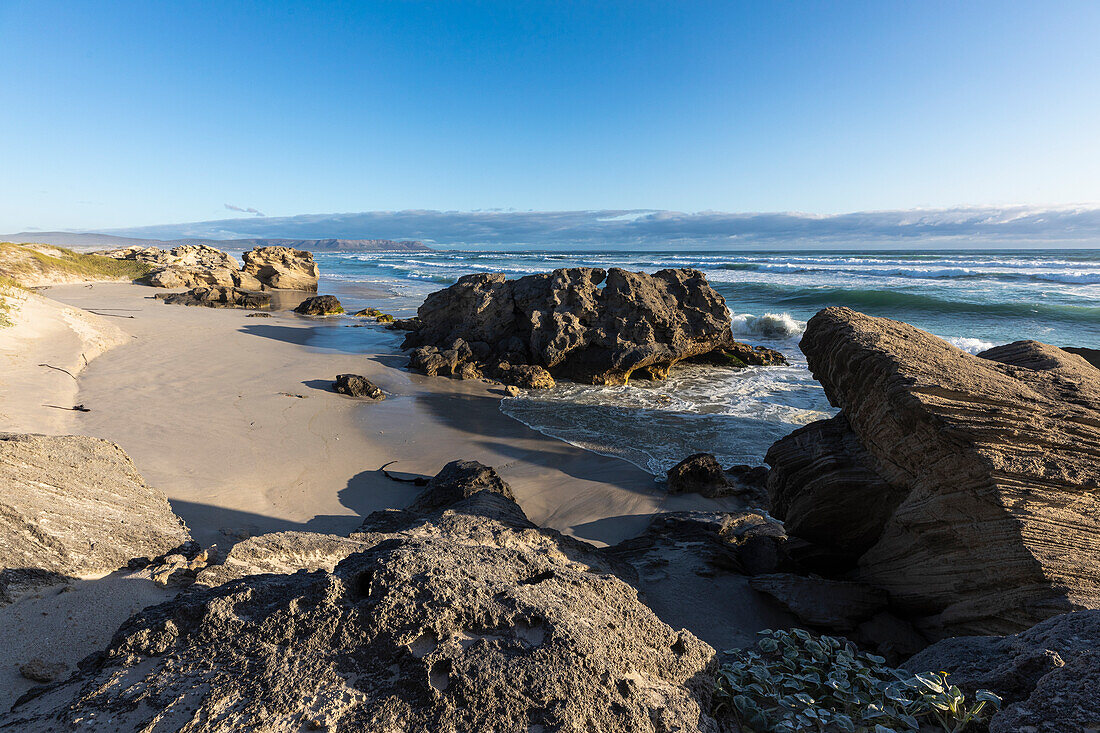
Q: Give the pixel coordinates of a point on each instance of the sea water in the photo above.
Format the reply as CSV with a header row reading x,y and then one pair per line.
x,y
973,299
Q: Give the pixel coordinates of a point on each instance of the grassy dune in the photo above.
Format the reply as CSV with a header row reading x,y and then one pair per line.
x,y
31,265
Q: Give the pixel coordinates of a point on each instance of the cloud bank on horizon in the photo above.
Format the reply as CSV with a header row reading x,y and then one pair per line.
x,y
1014,226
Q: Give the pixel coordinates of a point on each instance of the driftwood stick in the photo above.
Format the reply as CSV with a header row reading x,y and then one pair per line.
x,y
418,481
51,366
101,313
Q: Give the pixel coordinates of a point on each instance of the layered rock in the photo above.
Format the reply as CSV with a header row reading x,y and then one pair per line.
x,y
282,268
585,324
967,485
466,619
75,507
1048,676
187,266
320,305
218,297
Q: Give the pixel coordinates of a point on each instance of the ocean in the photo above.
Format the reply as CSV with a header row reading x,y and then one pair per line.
x,y
973,299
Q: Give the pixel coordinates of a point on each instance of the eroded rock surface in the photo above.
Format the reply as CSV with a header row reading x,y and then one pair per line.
x,y
187,266
969,486
1047,676
701,474
218,297
320,305
73,506
466,618
282,267
585,324
355,385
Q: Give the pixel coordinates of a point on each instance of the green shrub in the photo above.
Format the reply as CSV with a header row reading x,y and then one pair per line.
x,y
796,681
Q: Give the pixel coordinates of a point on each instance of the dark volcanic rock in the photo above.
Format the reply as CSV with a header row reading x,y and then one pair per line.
x,y
1048,676
459,480
355,385
986,517
698,474
218,297
73,506
320,305
585,324
282,267
454,621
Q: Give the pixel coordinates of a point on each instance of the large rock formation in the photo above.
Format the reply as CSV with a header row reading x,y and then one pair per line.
x,y
585,324
320,305
74,506
465,619
187,266
282,267
1048,676
966,485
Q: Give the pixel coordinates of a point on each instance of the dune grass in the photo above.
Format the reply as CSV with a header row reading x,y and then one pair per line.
x,y
8,288
25,264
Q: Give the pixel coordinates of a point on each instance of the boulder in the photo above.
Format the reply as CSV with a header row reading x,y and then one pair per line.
x,y
282,267
74,506
698,474
37,670
968,486
198,256
585,324
701,474
218,297
320,305
355,385
1047,676
178,276
452,621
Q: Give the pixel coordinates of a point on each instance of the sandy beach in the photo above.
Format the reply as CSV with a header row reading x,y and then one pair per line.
x,y
233,417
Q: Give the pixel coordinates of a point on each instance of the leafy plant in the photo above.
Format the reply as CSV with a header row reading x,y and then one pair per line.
x,y
795,681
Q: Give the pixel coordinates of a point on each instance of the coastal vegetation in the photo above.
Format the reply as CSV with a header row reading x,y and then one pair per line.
x,y
30,265
797,681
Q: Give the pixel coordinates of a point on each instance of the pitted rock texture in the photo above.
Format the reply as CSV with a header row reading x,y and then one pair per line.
x,y
320,305
585,324
187,266
1047,676
987,516
73,506
282,267
455,622
356,385
218,297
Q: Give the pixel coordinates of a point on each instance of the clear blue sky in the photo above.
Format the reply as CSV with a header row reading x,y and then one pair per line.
x,y
123,114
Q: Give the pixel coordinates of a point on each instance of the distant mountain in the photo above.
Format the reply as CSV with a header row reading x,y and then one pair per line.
x,y
93,239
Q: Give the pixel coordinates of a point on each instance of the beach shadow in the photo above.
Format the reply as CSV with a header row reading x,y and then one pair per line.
x,y
325,385
287,334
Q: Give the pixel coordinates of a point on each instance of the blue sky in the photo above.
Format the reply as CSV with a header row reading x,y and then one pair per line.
x,y
133,114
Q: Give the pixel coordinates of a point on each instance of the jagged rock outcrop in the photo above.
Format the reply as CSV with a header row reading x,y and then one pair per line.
x,y
218,297
1092,356
74,506
355,385
282,267
320,305
187,266
969,486
820,603
469,619
585,324
1048,676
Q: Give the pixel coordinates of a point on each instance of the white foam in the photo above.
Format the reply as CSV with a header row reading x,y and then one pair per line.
x,y
971,345
769,325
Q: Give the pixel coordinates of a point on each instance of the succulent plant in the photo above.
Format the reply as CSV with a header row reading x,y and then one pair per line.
x,y
795,681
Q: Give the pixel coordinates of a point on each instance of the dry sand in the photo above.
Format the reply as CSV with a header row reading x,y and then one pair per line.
x,y
234,419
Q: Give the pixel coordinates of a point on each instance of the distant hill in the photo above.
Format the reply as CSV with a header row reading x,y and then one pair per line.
x,y
93,239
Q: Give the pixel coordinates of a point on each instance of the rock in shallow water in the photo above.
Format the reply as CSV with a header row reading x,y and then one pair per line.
x,y
585,324
320,305
453,621
969,486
